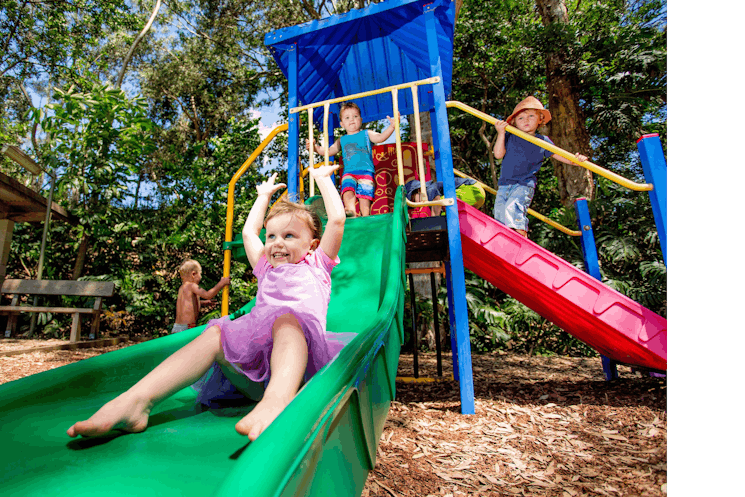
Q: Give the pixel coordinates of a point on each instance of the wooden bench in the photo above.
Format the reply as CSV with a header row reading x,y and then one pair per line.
x,y
16,288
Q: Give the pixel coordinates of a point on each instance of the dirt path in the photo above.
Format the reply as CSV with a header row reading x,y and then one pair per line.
x,y
543,427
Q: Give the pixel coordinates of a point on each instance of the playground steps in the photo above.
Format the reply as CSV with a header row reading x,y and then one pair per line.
x,y
427,239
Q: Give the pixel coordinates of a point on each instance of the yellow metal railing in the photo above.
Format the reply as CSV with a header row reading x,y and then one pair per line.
x,y
231,206
399,156
639,187
301,186
533,213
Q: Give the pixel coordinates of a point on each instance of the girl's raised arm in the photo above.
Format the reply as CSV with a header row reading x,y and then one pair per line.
x,y
255,220
332,235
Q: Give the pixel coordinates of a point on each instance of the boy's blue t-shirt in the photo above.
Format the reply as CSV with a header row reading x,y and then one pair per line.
x,y
522,161
356,152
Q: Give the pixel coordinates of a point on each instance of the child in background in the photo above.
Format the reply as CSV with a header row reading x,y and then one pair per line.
x,y
188,302
358,180
522,161
281,341
466,189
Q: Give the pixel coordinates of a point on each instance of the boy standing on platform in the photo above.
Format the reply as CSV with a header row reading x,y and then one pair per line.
x,y
522,161
358,181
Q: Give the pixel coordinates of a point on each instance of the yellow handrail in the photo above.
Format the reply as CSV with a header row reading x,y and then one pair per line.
x,y
394,95
533,213
231,201
427,81
639,187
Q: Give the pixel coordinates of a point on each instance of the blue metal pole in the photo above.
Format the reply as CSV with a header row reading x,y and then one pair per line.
x,y
589,250
592,266
436,154
457,274
655,172
293,158
451,320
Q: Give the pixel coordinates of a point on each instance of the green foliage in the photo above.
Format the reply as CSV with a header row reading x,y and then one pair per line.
x,y
148,176
96,140
141,249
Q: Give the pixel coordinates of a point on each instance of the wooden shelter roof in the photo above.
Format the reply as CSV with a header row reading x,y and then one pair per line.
x,y
20,203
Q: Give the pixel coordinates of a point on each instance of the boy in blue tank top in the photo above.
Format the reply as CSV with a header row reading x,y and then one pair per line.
x,y
358,181
522,161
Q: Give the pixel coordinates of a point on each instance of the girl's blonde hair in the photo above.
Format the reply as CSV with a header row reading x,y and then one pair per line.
x,y
303,212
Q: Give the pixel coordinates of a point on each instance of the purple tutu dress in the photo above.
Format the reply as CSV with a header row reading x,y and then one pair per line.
x,y
302,289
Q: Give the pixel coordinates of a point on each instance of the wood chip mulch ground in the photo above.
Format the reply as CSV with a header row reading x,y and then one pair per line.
x,y
544,426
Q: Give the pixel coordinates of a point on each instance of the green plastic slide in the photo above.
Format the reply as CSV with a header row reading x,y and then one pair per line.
x,y
324,443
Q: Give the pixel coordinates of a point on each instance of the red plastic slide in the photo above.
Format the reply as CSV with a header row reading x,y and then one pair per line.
x,y
613,324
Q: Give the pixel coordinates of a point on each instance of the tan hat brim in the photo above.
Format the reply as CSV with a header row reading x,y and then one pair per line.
x,y
544,112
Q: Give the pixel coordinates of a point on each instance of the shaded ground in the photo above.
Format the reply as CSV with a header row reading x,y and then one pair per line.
x,y
543,427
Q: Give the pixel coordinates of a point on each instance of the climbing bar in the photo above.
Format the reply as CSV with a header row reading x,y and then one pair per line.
x,y
533,213
303,174
428,81
639,187
419,155
426,270
312,149
443,201
325,133
399,153
231,206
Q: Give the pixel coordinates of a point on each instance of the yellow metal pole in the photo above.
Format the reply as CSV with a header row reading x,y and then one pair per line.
x,y
428,81
399,155
312,157
326,133
639,187
533,213
231,205
419,155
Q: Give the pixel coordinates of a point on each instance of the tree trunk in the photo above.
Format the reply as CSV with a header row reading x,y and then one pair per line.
x,y
77,271
567,127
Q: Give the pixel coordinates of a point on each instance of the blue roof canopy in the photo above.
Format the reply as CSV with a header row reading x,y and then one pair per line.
x,y
382,45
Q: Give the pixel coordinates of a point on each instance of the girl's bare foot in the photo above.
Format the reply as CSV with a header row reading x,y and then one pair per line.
x,y
258,420
350,213
124,412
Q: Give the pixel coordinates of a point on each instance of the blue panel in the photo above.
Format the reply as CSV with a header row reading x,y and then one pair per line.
x,y
381,45
655,172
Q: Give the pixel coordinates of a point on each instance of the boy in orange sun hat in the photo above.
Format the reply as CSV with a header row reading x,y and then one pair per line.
x,y
521,162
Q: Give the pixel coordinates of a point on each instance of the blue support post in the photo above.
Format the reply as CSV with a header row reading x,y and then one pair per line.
x,y
293,157
436,154
592,267
451,320
457,270
655,172
589,250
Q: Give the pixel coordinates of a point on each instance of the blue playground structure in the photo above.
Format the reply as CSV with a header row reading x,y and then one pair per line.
x,y
381,46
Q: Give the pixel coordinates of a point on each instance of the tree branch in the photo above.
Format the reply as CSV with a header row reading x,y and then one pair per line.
x,y
137,42
35,126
